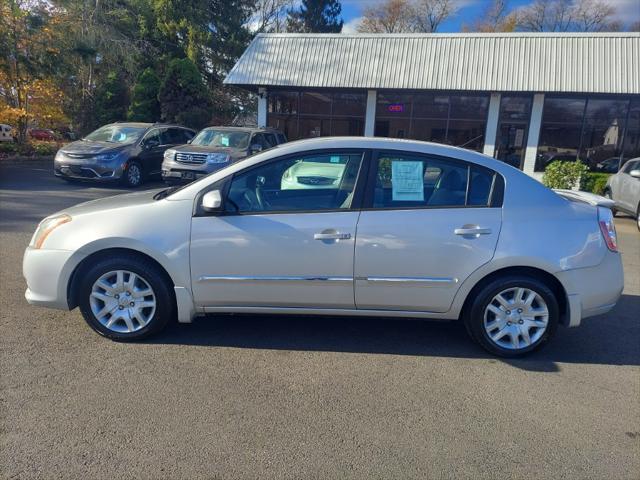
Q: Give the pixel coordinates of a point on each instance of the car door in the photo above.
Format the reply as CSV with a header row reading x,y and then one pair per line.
x,y
152,151
627,185
282,240
426,225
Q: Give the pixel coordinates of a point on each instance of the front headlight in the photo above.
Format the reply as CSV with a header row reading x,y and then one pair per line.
x,y
106,157
47,226
169,154
218,158
59,156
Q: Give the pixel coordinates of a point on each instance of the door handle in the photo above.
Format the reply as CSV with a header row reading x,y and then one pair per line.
x,y
332,236
472,231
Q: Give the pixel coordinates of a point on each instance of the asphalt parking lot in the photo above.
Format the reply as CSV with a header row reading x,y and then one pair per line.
x,y
272,397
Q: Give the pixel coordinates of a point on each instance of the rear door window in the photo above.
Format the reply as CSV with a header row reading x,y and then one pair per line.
x,y
406,180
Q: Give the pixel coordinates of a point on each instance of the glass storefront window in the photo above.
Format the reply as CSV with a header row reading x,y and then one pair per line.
x,y
454,119
632,134
311,114
513,127
591,130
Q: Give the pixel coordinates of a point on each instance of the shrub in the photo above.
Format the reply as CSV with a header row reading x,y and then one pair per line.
x,y
44,148
594,182
564,174
8,148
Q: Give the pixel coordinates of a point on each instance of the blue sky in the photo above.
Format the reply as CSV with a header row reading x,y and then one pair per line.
x,y
468,10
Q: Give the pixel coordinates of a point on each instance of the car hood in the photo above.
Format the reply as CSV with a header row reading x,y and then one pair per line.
x,y
113,203
206,149
84,147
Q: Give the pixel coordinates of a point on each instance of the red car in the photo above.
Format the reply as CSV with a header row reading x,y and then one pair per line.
x,y
42,134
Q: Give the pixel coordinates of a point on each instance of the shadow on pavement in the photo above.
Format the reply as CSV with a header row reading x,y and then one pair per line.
x,y
610,339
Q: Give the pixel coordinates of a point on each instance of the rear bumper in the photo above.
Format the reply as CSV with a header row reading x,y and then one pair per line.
x,y
47,274
594,290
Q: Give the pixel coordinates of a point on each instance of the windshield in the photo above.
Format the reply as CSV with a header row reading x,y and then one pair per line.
x,y
222,138
116,134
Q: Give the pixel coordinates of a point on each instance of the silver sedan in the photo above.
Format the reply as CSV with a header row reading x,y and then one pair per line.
x,y
337,226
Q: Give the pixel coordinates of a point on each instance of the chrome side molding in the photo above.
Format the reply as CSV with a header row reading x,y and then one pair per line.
x,y
422,281
241,278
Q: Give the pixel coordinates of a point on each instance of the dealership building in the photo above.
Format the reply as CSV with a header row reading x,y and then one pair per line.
x,y
523,98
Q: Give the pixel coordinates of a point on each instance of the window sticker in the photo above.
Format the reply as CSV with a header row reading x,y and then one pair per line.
x,y
334,159
224,141
407,181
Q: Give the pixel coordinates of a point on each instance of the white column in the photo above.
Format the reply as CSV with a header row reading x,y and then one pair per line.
x,y
370,116
262,107
492,125
534,136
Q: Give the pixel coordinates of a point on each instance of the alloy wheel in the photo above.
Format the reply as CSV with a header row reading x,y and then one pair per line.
x,y
134,174
516,318
122,301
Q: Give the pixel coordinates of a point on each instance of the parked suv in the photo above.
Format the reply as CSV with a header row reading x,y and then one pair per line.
x,y
624,189
129,152
214,148
5,133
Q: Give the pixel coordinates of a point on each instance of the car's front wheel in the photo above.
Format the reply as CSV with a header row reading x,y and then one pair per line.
x,y
133,176
512,315
126,298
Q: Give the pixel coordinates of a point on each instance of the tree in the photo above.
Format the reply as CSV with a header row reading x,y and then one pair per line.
x,y
316,16
392,16
183,95
429,14
406,16
29,59
270,15
111,99
144,100
567,16
495,18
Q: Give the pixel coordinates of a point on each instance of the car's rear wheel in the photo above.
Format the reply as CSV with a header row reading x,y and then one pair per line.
x,y
512,315
125,298
133,175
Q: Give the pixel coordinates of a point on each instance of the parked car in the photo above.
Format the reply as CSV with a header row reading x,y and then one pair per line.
x,y
411,229
610,165
214,148
126,152
547,158
624,189
43,134
5,133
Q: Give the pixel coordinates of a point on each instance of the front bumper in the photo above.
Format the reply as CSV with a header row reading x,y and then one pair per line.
x,y
594,290
173,170
88,170
47,273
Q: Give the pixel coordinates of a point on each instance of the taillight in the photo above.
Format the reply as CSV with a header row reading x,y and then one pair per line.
x,y
608,229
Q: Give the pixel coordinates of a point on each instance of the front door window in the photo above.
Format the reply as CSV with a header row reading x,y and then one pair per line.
x,y
314,182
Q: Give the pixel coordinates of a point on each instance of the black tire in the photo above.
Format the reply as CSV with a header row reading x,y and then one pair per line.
x,y
133,175
475,313
607,194
150,273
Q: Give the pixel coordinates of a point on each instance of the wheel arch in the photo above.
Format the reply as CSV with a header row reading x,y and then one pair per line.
x,y
76,274
547,278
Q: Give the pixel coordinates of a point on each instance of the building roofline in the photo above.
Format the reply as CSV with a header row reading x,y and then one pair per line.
x,y
456,34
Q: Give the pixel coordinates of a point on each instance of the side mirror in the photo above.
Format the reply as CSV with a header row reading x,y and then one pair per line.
x,y
635,173
256,147
212,201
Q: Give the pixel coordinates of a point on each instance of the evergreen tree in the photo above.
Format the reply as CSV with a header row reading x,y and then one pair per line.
x,y
183,96
111,99
316,16
144,101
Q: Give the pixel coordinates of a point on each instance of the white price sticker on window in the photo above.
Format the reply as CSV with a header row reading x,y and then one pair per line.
x,y
407,181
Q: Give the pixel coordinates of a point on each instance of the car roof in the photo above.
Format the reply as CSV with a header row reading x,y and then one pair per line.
x,y
148,125
243,129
